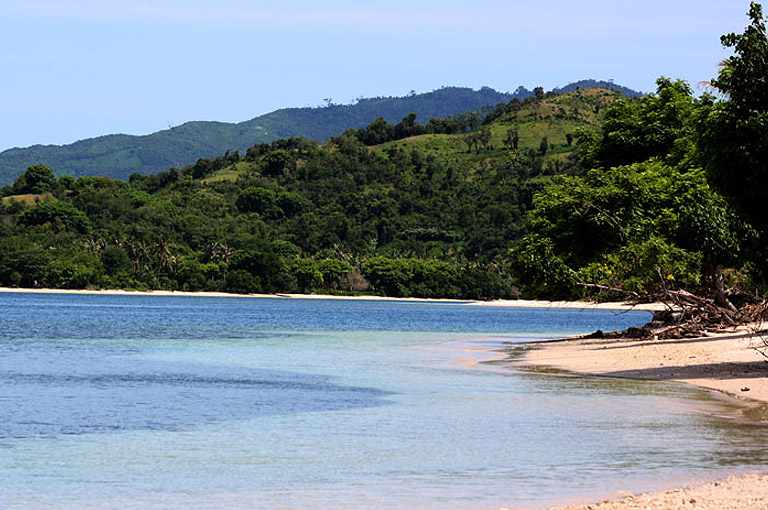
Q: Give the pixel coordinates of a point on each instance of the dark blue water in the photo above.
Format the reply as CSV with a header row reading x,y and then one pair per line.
x,y
197,403
56,316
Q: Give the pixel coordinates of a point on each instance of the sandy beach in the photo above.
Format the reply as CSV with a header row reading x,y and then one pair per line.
x,y
731,363
520,303
742,493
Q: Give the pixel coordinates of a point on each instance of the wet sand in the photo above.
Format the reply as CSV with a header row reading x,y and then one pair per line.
x,y
730,362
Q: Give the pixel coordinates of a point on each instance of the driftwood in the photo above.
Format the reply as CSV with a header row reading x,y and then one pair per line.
x,y
757,331
695,312
686,310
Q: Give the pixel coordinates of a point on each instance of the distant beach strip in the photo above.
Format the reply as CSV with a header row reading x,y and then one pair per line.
x,y
519,303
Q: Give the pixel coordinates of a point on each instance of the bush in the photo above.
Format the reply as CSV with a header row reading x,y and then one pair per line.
x,y
115,260
254,199
77,271
307,274
57,215
241,282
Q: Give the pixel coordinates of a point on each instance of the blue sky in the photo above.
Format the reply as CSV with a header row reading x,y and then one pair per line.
x,y
74,69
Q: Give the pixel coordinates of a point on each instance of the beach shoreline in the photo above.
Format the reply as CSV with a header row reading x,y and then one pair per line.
x,y
747,492
728,363
731,362
517,303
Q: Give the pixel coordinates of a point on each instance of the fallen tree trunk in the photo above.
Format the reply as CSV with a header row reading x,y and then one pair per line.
x,y
689,314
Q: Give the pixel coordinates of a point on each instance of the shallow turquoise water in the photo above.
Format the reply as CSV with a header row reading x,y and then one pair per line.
x,y
206,403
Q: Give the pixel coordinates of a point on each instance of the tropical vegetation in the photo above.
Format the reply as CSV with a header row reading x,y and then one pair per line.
x,y
671,205
400,209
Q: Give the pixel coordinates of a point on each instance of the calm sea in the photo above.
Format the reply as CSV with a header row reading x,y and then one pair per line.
x,y
130,402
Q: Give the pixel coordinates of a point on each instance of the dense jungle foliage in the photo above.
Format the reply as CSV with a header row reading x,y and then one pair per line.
x,y
675,194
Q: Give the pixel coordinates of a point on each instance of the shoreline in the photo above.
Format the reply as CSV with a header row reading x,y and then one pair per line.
x,y
747,492
726,363
515,303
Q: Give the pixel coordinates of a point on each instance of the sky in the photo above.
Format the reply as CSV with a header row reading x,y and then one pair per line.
x,y
75,69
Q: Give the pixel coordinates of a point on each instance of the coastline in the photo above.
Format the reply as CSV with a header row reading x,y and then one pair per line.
x,y
748,492
728,363
517,303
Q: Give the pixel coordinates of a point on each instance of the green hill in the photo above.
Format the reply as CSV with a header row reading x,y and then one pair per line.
x,y
553,119
119,156
420,213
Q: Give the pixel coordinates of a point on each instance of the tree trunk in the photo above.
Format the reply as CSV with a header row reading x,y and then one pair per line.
x,y
714,281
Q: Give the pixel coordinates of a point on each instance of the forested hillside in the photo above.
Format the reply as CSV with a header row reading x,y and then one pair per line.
x,y
399,209
119,156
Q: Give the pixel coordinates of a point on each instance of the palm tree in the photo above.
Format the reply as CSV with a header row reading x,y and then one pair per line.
x,y
220,252
164,254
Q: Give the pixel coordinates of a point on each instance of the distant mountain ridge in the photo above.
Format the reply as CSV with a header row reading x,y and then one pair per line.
x,y
118,156
589,84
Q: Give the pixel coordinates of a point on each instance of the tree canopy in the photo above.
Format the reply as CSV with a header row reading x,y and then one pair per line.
x,y
633,228
674,196
732,133
417,214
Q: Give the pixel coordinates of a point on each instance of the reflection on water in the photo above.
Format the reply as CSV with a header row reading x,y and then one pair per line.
x,y
145,403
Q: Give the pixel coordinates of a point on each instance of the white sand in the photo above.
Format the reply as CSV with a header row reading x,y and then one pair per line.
x,y
584,305
727,362
742,493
